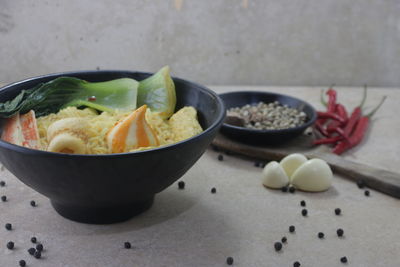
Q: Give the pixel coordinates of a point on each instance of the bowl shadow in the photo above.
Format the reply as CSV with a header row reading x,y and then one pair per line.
x,y
177,219
167,205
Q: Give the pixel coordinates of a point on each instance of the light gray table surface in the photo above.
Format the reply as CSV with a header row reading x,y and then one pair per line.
x,y
193,227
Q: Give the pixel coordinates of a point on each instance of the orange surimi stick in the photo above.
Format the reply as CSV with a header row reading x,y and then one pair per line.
x,y
29,130
131,132
22,130
12,132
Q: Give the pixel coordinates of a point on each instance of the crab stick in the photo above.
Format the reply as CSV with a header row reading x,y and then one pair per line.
x,y
131,132
12,131
22,130
29,130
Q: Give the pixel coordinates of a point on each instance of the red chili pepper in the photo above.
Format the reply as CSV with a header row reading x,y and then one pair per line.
x,y
323,101
330,115
333,125
342,112
358,133
331,100
330,140
319,125
362,125
355,115
341,133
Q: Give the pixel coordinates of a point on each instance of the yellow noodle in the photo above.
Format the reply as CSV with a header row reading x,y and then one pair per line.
x,y
168,132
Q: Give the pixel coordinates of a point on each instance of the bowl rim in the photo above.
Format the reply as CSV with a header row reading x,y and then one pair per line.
x,y
248,130
22,149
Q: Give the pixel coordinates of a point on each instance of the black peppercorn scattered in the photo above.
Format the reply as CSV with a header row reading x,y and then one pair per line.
x,y
10,245
3,198
8,226
278,246
127,245
304,212
338,211
343,259
22,263
292,189
213,190
257,164
229,260
340,232
360,183
39,247
33,240
31,251
302,203
292,228
181,185
33,203
284,239
220,157
366,193
321,235
284,189
296,264
37,254
2,183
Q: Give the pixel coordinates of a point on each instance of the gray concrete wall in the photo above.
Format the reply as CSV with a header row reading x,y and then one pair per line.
x,y
255,42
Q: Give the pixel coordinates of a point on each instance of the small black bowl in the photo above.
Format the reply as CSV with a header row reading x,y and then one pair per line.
x,y
114,187
265,137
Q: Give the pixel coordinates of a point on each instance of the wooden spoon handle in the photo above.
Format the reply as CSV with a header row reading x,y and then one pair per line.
x,y
381,180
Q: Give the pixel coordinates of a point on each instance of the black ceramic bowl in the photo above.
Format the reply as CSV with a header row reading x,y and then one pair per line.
x,y
265,137
114,187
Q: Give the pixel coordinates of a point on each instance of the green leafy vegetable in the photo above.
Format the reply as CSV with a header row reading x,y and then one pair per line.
x,y
158,93
9,108
62,92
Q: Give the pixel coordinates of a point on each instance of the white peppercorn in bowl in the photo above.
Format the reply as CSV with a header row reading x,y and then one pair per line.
x,y
257,117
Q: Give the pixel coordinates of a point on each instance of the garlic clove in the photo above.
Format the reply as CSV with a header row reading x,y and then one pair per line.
x,y
274,176
291,162
315,175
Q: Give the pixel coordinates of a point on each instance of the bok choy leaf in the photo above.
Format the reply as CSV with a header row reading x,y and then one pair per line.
x,y
62,92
